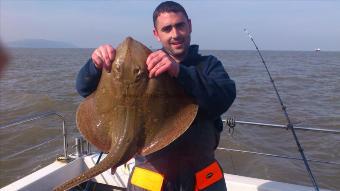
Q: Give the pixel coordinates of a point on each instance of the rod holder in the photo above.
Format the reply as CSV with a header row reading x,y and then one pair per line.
x,y
79,148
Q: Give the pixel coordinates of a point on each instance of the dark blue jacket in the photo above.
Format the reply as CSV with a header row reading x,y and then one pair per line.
x,y
202,77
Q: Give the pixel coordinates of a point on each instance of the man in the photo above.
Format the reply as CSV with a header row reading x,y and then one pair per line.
x,y
189,162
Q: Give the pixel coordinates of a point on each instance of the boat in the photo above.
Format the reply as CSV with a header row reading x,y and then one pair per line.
x,y
317,50
58,172
83,158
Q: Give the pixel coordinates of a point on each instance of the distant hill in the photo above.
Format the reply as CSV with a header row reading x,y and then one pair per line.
x,y
39,43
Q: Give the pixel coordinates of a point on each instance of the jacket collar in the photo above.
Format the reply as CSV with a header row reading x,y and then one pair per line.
x,y
192,55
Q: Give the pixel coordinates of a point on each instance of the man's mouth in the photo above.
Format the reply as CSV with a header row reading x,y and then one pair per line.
x,y
177,43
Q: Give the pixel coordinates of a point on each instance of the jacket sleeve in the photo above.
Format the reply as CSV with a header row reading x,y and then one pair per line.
x,y
210,85
88,79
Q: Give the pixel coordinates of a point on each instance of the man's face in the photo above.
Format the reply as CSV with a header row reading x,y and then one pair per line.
x,y
173,31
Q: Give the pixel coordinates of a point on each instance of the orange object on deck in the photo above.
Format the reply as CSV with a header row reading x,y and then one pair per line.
x,y
208,176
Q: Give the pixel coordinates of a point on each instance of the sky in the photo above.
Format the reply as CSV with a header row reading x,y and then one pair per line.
x,y
217,25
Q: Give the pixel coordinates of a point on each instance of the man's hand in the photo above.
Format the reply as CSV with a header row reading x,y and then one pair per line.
x,y
159,62
103,57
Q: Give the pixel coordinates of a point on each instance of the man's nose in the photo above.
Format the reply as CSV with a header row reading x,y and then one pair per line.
x,y
174,33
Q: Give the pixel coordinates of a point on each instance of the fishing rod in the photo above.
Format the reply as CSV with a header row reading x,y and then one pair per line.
x,y
289,123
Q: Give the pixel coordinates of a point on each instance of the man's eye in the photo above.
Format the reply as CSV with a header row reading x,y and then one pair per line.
x,y
167,29
180,26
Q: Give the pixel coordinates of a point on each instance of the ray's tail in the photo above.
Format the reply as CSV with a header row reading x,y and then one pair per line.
x,y
122,149
108,162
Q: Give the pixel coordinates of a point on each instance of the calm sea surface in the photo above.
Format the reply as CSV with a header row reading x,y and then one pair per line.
x,y
39,80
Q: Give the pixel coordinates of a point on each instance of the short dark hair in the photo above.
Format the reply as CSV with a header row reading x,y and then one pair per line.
x,y
168,6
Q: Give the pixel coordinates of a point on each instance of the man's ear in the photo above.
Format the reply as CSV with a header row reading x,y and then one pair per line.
x,y
155,34
189,21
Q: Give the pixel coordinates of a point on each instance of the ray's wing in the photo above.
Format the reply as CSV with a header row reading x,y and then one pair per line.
x,y
169,112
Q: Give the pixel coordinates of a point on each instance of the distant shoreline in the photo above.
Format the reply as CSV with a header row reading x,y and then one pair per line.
x,y
39,43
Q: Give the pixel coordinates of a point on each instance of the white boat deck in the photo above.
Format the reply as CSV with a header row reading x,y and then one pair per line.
x,y
58,172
